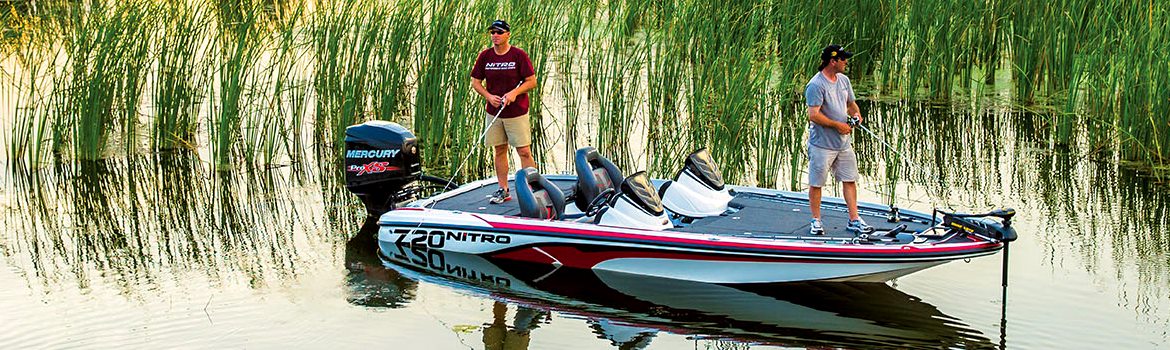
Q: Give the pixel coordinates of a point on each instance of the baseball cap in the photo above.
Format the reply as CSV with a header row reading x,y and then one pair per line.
x,y
834,51
501,25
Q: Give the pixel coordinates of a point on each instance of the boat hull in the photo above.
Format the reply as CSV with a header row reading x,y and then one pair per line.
x,y
413,233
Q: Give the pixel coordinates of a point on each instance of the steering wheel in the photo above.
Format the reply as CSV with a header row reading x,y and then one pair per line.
x,y
599,202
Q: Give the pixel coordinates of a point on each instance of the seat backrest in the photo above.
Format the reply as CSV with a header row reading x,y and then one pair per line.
x,y
594,174
538,197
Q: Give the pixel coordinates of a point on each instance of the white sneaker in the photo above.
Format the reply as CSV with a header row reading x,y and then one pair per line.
x,y
859,226
816,228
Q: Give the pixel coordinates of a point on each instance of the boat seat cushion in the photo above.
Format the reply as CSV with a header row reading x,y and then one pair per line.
x,y
595,174
538,197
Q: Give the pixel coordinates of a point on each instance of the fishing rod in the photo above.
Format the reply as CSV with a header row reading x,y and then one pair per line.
x,y
855,122
479,139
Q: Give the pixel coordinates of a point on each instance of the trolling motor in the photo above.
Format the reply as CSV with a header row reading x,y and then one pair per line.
x,y
980,225
966,224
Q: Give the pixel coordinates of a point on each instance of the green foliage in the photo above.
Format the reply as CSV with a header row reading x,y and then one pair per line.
x,y
266,81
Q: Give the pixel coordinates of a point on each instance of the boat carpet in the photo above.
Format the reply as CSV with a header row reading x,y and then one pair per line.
x,y
476,200
772,216
759,215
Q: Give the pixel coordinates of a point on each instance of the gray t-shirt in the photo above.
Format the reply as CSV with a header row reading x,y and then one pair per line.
x,y
834,100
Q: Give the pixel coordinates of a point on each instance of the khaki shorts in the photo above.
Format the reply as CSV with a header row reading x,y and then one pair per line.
x,y
843,164
512,131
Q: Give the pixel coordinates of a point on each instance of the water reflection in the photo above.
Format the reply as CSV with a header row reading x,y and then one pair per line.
x,y
370,283
630,311
143,221
138,220
1056,171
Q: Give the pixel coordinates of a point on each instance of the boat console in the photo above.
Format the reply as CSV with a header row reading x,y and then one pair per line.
x,y
635,204
697,190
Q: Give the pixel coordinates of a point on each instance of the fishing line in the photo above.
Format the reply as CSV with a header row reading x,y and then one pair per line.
x,y
855,122
479,139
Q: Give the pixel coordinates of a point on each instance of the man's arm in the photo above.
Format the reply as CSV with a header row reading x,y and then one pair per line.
x,y
477,85
528,85
853,110
815,116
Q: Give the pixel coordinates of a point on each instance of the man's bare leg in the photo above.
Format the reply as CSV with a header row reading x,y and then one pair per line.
x,y
525,154
850,189
501,164
814,201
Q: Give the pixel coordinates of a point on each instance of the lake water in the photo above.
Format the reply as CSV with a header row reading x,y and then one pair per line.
x,y
161,251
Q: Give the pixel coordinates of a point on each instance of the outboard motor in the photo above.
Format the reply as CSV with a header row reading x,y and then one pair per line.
x,y
635,205
697,190
381,158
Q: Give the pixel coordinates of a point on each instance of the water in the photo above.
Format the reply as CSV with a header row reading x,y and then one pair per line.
x,y
162,251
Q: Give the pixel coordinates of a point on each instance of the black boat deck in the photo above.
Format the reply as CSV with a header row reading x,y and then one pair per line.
x,y
755,215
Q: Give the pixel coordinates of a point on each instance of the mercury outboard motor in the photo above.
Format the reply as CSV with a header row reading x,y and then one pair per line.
x,y
381,158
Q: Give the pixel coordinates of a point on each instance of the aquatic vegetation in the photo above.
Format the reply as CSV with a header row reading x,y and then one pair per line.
x,y
265,82
106,52
179,84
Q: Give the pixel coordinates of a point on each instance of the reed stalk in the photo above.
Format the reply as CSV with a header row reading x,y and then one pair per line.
x,y
182,72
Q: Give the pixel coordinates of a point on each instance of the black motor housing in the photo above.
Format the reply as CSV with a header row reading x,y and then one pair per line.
x,y
381,158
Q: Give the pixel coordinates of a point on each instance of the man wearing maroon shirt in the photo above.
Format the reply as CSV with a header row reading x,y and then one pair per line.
x,y
508,75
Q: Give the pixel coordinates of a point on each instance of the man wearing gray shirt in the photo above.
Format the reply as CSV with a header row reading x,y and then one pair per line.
x,y
830,104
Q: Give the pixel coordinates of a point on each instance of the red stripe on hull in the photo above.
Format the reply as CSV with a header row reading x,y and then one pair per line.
x,y
574,257
906,250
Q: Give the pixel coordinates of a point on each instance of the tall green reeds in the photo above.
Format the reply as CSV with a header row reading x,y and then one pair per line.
x,y
107,55
279,126
181,76
680,74
345,35
29,84
236,56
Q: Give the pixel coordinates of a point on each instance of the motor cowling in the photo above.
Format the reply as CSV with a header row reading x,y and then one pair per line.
x,y
381,158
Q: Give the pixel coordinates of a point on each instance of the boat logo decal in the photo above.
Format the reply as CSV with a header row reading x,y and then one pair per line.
x,y
371,168
377,153
421,238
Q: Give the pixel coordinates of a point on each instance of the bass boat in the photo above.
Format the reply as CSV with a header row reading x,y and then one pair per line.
x,y
693,227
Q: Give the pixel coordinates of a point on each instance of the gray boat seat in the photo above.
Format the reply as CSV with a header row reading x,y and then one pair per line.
x,y
538,197
594,175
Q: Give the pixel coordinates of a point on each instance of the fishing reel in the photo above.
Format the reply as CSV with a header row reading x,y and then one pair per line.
x,y
853,121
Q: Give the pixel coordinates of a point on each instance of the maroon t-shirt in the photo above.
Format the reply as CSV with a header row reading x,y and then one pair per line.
x,y
500,74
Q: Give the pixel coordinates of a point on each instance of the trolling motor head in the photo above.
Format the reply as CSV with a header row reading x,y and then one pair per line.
x,y
980,224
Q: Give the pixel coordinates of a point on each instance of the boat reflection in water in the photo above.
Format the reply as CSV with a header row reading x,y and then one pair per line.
x,y
631,310
370,282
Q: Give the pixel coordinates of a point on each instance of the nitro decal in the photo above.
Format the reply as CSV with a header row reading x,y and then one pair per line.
x,y
500,66
437,262
438,238
414,247
371,168
378,153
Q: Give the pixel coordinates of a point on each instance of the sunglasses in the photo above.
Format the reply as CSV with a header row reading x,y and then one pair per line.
x,y
497,32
